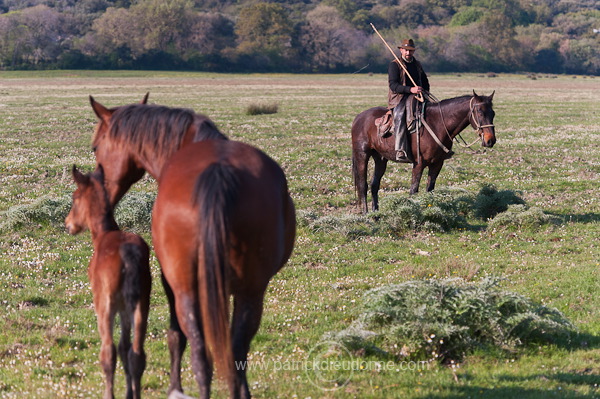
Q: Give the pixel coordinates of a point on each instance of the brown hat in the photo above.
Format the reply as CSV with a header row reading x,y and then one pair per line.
x,y
407,44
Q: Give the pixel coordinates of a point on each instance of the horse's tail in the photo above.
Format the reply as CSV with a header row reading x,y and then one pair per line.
x,y
132,256
216,194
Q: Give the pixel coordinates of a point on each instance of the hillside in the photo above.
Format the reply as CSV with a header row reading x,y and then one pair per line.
x,y
544,36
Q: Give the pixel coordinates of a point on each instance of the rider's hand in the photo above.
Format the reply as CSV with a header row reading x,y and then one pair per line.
x,y
416,89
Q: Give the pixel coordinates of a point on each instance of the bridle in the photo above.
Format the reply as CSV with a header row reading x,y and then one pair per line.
x,y
478,126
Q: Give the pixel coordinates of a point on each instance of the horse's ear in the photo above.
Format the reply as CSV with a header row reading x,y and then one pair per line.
x,y
79,177
100,110
145,99
475,94
492,95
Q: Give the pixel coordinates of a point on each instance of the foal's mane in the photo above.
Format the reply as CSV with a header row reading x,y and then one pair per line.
x,y
155,129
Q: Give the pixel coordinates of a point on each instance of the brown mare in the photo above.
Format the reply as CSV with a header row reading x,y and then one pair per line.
x,y
446,118
119,273
223,224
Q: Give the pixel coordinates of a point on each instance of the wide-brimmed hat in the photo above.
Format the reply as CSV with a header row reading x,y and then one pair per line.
x,y
407,44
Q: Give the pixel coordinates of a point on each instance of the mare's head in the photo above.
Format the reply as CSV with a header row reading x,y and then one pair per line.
x,y
121,169
481,117
90,201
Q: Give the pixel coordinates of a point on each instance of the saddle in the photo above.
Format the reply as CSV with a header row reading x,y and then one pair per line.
x,y
385,124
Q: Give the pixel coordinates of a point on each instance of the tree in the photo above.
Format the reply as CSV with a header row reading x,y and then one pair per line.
x,y
35,35
264,32
148,26
330,41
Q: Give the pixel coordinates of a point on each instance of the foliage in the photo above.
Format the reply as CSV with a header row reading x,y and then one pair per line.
x,y
490,202
133,213
447,319
521,217
309,36
262,109
439,211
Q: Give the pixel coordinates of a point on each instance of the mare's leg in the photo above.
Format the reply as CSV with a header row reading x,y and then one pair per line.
x,y
247,313
108,352
434,171
380,166
188,313
137,356
360,160
176,341
417,172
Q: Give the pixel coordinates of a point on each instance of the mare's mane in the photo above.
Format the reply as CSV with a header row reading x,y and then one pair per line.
x,y
157,128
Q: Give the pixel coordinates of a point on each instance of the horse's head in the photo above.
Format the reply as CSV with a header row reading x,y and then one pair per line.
x,y
89,201
121,167
481,117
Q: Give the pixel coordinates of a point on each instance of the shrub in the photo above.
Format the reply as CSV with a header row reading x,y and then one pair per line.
x,y
490,202
46,210
133,212
446,319
262,108
520,216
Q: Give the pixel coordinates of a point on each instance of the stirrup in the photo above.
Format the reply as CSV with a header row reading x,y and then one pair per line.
x,y
402,156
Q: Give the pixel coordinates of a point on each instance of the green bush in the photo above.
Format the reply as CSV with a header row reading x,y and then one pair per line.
x,y
262,109
490,202
520,217
447,319
46,210
133,212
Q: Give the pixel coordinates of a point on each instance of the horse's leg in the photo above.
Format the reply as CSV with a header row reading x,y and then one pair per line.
x,y
124,347
434,171
108,352
380,166
188,313
417,172
137,356
176,341
247,313
360,160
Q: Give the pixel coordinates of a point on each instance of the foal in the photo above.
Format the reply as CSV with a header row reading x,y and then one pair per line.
x,y
119,273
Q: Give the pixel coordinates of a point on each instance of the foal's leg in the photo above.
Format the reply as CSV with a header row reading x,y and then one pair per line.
x,y
137,356
247,312
434,171
176,341
360,160
108,352
124,346
380,166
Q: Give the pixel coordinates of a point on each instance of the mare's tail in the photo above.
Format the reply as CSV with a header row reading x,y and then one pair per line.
x,y
217,193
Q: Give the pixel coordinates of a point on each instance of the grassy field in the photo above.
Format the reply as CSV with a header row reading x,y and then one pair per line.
x,y
548,153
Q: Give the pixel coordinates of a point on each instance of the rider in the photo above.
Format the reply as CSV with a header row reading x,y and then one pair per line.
x,y
401,88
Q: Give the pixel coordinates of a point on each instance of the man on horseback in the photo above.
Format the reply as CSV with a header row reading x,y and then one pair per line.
x,y
402,93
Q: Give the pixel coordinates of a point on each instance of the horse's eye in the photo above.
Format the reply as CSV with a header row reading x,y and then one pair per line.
x,y
94,148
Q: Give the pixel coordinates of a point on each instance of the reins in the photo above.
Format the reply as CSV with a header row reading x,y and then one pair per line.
x,y
478,126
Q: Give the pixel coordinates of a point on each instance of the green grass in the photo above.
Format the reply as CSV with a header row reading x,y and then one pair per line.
x,y
547,155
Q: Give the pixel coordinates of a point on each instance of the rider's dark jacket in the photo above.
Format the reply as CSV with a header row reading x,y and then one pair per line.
x,y
400,84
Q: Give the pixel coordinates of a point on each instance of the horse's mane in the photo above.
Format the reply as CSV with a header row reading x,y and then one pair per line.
x,y
158,129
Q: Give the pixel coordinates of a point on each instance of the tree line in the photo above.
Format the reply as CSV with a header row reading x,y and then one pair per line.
x,y
545,36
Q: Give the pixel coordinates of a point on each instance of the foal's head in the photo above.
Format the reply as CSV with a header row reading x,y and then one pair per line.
x,y
90,202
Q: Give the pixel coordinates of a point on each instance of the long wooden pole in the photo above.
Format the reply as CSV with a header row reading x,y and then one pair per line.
x,y
419,95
